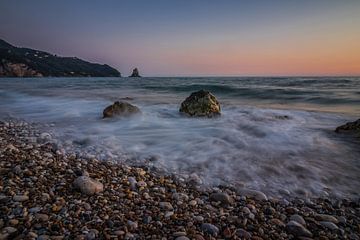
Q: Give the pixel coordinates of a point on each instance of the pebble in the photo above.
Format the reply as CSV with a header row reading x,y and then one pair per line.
x,y
329,225
199,218
246,210
210,229
269,211
132,225
32,235
14,222
159,206
168,214
224,198
326,218
193,203
88,185
42,217
147,219
298,218
119,233
277,222
182,238
166,206
20,198
141,184
260,196
180,197
243,234
179,234
297,229
35,210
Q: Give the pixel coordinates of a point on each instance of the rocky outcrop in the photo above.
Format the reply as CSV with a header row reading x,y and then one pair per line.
x,y
200,104
8,69
26,62
350,127
135,73
120,109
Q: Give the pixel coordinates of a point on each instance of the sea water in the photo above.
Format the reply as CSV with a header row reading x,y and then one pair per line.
x,y
273,133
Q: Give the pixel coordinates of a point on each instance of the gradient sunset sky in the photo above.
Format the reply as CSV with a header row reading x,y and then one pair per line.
x,y
194,38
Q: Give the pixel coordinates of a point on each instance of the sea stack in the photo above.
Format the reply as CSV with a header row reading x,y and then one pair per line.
x,y
135,73
200,104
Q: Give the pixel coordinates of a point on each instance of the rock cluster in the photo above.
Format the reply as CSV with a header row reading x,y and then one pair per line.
x,y
120,109
45,194
200,104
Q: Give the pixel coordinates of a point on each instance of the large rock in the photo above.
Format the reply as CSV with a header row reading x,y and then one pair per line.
x,y
201,104
120,109
135,73
88,185
350,127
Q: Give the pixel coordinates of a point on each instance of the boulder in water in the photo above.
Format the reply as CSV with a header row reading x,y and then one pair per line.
x,y
135,73
120,109
201,104
350,127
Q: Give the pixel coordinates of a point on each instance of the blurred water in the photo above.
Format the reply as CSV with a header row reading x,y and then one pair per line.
x,y
251,144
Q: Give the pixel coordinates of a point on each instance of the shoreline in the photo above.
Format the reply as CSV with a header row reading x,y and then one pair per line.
x,y
39,201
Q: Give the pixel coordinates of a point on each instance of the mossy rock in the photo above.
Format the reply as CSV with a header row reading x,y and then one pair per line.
x,y
120,109
201,104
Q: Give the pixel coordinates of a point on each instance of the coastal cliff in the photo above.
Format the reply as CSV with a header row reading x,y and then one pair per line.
x,y
26,62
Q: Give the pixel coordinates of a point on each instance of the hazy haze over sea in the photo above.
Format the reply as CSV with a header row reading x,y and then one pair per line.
x,y
251,144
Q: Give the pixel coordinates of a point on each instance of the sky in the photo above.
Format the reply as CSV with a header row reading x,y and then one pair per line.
x,y
194,37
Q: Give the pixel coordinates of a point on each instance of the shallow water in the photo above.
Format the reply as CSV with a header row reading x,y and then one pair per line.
x,y
251,144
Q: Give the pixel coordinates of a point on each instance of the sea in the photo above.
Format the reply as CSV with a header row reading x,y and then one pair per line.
x,y
275,134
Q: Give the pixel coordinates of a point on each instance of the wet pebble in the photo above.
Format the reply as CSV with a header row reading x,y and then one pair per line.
x,y
298,218
88,185
166,206
20,198
297,229
210,229
224,198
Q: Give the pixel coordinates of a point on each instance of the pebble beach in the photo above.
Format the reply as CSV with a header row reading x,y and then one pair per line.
x,y
46,194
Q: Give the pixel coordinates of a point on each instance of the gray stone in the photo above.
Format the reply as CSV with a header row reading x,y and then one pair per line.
x,y
243,234
88,185
329,225
166,206
260,196
42,217
20,198
182,238
297,229
180,197
210,229
326,218
298,218
224,198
